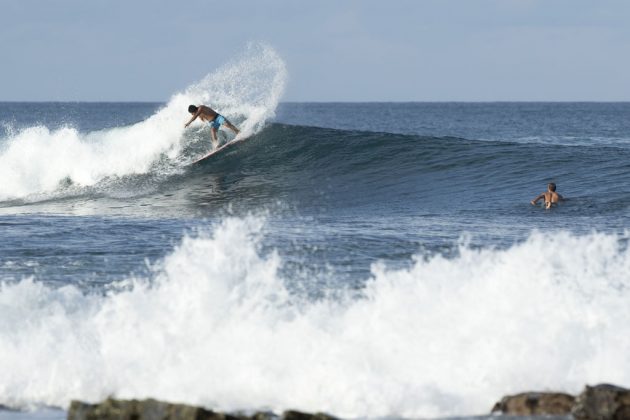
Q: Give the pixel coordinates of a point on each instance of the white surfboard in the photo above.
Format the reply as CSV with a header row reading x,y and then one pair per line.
x,y
218,149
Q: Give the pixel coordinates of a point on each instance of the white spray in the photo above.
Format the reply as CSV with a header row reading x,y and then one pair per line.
x,y
35,160
215,325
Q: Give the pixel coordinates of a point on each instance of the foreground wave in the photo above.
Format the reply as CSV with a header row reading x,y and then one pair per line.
x,y
216,324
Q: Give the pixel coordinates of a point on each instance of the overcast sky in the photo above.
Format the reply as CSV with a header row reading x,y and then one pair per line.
x,y
335,50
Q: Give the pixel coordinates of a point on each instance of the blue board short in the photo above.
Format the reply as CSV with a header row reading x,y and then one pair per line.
x,y
218,120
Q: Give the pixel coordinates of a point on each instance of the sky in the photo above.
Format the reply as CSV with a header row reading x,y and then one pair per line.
x,y
335,50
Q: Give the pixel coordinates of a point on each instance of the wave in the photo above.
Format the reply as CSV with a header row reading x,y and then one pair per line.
x,y
216,324
310,166
37,161
358,168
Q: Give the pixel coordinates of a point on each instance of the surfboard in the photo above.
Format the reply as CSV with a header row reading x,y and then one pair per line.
x,y
218,149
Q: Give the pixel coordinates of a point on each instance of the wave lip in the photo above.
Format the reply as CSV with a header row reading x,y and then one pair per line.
x,y
38,161
216,325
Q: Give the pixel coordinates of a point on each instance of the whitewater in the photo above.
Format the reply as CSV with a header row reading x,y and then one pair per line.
x,y
36,161
214,324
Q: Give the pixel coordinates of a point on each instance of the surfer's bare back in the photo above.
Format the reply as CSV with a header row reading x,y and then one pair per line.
x,y
551,197
213,118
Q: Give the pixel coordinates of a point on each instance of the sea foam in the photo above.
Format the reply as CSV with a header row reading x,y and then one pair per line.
x,y
37,160
215,324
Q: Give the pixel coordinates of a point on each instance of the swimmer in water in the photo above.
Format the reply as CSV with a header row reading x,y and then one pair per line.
x,y
551,197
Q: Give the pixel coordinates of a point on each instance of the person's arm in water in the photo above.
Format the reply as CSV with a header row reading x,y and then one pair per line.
x,y
194,117
537,199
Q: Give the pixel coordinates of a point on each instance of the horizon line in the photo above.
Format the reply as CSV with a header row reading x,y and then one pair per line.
x,y
328,102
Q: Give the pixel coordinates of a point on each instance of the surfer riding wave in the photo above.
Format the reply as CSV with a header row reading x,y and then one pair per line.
x,y
213,118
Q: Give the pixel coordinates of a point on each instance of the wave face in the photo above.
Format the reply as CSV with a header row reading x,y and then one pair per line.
x,y
36,161
216,324
368,171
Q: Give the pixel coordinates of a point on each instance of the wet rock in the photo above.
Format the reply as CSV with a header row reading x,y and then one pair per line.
x,y
141,410
298,415
158,410
261,415
535,404
602,402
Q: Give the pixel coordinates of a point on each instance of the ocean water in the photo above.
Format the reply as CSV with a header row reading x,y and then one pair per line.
x,y
363,259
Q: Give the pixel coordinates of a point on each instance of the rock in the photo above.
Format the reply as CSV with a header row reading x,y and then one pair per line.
x,y
157,410
535,404
602,402
298,415
141,410
261,415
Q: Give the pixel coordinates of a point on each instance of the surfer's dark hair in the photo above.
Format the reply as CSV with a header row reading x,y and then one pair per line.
x,y
551,186
192,109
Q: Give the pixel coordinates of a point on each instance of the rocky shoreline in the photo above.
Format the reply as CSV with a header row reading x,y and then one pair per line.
x,y
600,402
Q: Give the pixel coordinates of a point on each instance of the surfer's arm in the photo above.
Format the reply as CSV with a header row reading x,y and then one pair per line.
x,y
193,118
537,199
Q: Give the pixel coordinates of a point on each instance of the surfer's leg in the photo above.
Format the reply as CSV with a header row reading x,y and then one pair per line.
x,y
215,141
232,127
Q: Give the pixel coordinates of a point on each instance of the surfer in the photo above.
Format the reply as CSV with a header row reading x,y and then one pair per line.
x,y
213,118
551,197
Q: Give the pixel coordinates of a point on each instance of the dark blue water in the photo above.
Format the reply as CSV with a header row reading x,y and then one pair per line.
x,y
339,190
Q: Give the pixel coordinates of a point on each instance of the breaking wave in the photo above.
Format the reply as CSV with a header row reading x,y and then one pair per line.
x,y
216,324
39,161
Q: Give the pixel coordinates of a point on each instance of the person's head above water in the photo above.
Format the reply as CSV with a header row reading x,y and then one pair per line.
x,y
192,109
551,187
